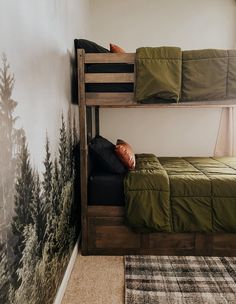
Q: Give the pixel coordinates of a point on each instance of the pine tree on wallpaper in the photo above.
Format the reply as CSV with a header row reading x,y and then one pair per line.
x,y
66,176
47,192
4,275
56,189
54,212
70,161
38,215
75,209
27,291
7,161
47,177
74,134
10,138
63,153
23,207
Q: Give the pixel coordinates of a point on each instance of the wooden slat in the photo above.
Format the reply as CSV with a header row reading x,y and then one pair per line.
x,y
110,58
126,100
109,99
111,233
83,150
171,240
106,211
89,120
97,124
109,77
225,241
133,104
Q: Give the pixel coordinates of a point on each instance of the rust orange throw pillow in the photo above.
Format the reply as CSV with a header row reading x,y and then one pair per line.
x,y
116,49
125,154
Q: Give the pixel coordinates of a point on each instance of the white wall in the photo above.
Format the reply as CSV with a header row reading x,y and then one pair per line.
x,y
37,37
189,24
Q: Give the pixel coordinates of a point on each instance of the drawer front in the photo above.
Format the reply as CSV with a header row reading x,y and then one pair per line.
x,y
111,233
224,244
172,243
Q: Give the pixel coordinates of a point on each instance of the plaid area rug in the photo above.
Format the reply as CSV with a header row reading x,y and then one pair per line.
x,y
180,280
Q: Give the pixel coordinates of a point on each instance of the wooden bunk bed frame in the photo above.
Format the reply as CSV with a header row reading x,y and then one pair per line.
x,y
103,229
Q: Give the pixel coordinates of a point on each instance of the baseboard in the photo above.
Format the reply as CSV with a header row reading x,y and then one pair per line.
x,y
62,288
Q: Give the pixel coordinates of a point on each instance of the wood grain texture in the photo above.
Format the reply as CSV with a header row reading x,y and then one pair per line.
x,y
89,121
203,244
168,241
83,175
110,58
109,77
110,99
80,72
112,233
105,211
97,121
108,222
108,235
126,100
83,149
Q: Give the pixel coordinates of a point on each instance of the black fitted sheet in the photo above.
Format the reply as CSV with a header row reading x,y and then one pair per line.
x,y
106,189
109,68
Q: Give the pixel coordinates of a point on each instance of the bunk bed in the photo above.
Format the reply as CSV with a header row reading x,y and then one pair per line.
x,y
104,231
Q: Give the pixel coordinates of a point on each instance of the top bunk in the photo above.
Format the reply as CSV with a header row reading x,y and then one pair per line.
x,y
97,88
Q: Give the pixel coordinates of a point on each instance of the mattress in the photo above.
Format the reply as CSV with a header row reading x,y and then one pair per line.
x,y
106,189
109,68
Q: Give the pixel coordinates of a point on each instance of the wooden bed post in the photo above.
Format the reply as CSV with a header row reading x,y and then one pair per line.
x,y
83,150
97,128
89,120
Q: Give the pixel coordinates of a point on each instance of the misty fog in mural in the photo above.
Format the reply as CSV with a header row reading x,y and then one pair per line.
x,y
38,210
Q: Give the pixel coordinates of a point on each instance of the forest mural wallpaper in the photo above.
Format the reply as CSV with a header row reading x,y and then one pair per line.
x,y
39,183
39,210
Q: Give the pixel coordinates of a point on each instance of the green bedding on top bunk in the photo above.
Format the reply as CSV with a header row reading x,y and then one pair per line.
x,y
167,74
158,73
182,194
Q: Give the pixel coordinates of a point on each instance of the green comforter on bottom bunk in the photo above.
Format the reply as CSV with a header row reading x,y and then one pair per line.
x,y
182,194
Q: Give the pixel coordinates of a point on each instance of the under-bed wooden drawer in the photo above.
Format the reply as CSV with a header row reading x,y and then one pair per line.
x,y
172,243
224,244
111,233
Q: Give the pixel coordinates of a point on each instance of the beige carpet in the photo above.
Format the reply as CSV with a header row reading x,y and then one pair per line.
x,y
96,280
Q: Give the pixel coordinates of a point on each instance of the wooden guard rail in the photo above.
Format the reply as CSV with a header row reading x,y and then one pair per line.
x,y
127,100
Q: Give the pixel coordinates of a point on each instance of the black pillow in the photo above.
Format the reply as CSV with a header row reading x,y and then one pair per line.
x,y
104,151
89,46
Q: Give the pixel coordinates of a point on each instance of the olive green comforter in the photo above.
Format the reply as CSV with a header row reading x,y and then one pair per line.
x,y
167,74
182,194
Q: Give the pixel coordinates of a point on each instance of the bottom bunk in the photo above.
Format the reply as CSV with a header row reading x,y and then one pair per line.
x,y
212,216
109,235
165,206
